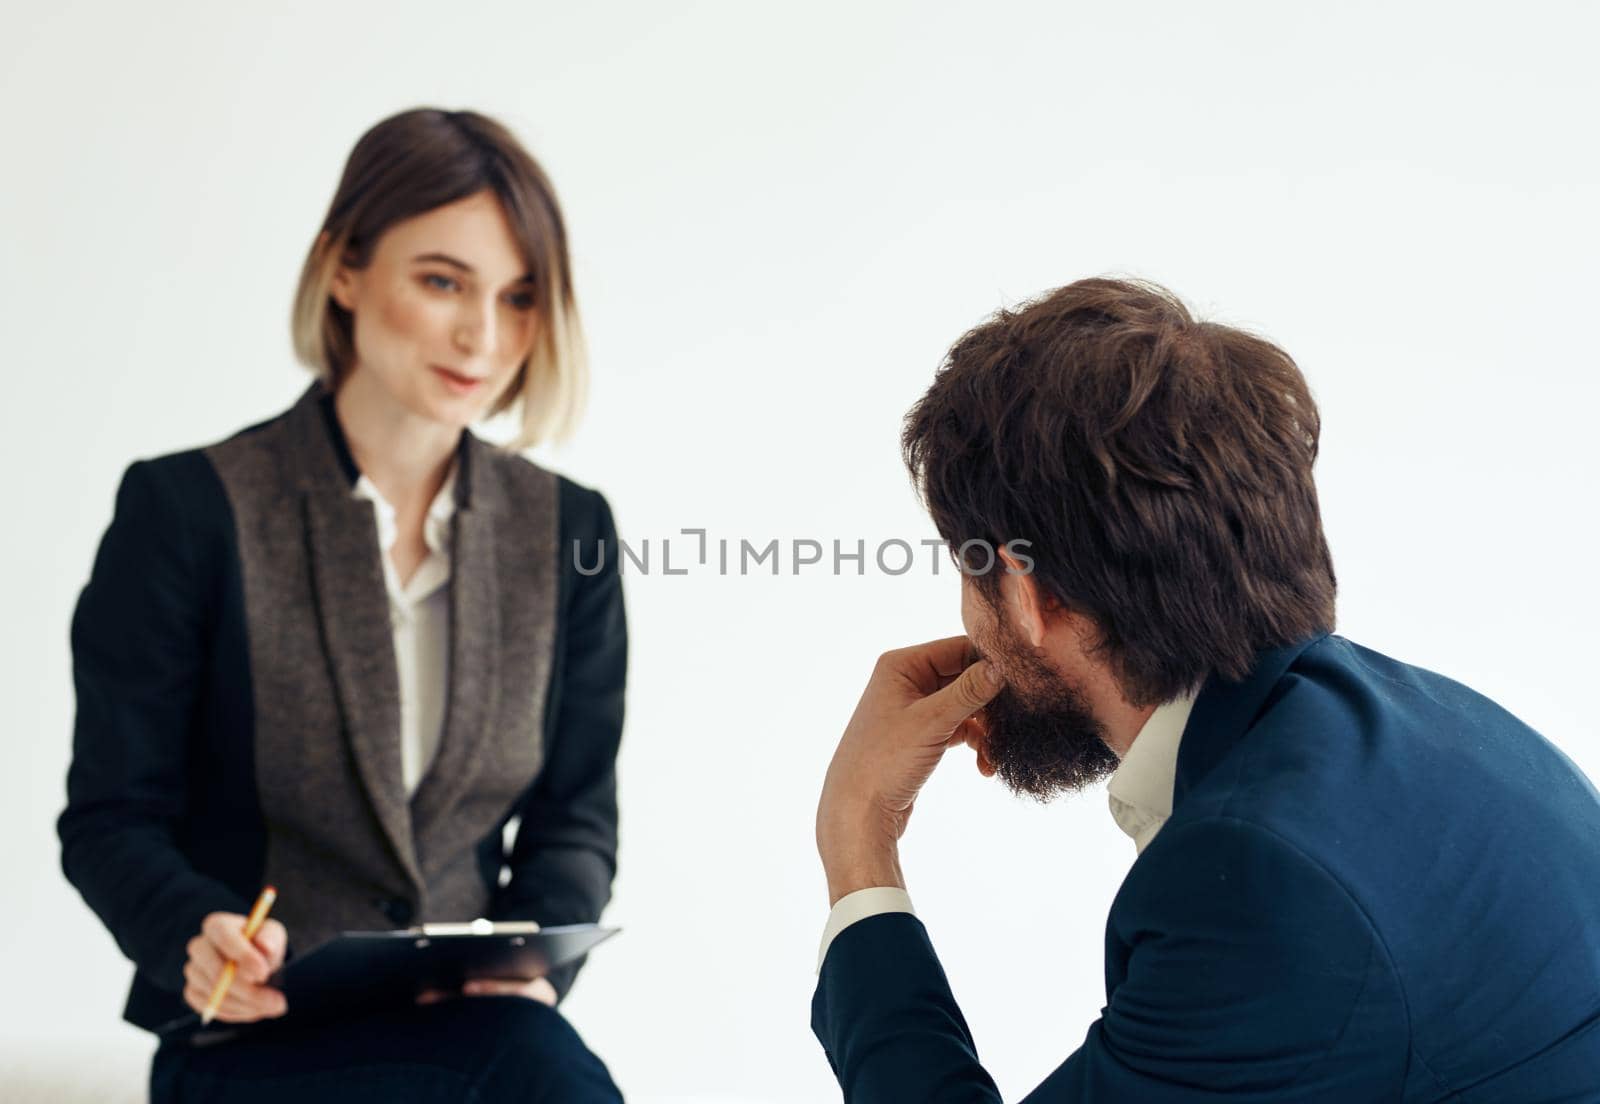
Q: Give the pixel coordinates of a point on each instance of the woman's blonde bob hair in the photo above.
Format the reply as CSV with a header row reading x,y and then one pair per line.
x,y
409,164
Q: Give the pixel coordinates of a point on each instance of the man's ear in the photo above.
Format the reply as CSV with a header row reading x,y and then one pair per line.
x,y
1032,604
1014,565
1029,607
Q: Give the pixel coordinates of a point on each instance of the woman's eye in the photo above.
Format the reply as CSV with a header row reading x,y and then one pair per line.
x,y
445,283
523,300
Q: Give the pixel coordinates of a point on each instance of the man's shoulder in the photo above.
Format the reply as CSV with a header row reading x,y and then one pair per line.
x,y
1345,718
1419,795
1453,832
1337,666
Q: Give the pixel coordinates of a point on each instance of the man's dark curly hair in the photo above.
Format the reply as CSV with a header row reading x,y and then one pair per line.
x,y
1159,466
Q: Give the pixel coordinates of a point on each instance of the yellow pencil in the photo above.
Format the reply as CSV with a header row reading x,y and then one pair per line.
x,y
258,916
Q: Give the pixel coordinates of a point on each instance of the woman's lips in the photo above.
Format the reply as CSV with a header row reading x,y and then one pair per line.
x,y
461,385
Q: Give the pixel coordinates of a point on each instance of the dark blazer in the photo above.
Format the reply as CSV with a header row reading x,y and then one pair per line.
x,y
238,704
1376,885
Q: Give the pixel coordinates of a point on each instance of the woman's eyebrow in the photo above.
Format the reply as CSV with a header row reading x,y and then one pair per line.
x,y
445,258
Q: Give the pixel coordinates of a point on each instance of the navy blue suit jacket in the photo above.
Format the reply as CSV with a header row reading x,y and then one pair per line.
x,y
1376,885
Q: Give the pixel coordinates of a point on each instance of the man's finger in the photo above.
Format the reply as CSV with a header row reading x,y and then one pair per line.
x,y
974,733
985,767
962,735
930,665
970,692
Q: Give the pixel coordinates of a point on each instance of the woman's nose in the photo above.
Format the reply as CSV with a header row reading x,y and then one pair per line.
x,y
475,332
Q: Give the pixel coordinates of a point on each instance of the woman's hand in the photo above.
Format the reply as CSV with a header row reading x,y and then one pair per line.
x,y
249,998
538,989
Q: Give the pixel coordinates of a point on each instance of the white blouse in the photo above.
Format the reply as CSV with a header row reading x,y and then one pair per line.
x,y
419,616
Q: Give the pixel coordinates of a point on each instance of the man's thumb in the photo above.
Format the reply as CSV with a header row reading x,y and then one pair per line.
x,y
969,693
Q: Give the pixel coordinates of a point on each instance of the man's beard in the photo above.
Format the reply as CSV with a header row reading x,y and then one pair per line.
x,y
1042,738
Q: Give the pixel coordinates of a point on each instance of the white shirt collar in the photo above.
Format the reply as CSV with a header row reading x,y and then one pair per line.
x,y
434,571
435,527
1140,790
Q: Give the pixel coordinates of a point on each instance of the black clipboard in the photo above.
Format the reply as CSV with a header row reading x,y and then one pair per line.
x,y
363,970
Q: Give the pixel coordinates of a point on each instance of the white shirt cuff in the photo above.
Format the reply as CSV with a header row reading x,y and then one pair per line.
x,y
858,906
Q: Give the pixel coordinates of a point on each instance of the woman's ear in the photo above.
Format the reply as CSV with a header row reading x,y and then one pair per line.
x,y
343,286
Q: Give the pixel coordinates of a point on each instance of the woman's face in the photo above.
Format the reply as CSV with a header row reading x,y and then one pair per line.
x,y
444,313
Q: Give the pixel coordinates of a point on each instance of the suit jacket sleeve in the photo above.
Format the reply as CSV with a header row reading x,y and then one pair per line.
x,y
565,855
1251,976
139,653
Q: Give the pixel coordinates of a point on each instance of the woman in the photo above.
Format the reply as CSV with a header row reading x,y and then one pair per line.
x,y
341,650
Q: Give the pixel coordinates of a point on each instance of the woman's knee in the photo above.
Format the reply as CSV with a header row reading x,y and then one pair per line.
x,y
540,1057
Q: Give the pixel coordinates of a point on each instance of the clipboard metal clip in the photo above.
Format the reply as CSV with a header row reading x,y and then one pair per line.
x,y
479,926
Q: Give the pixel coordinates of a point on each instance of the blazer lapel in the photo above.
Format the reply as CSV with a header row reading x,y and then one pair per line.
x,y
475,635
352,602
1223,710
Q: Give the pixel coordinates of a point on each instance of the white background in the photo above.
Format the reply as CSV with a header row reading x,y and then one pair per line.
x,y
781,219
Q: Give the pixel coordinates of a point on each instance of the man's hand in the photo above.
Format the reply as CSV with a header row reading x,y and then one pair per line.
x,y
538,989
919,702
249,997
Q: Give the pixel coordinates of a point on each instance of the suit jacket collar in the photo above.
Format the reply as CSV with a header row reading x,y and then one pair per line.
x,y
1224,710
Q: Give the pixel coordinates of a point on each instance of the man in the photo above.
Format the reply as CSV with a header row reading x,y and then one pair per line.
x,y
1356,880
